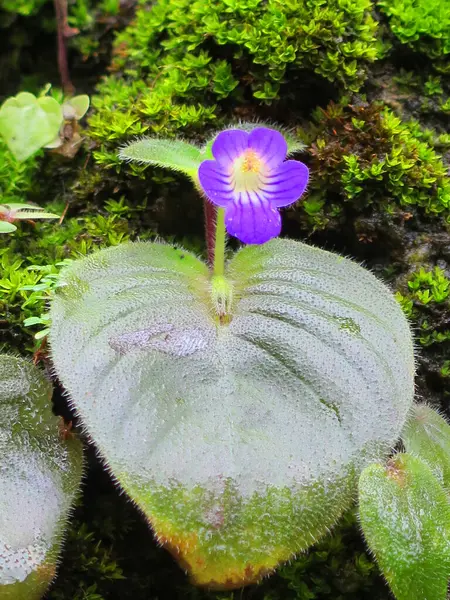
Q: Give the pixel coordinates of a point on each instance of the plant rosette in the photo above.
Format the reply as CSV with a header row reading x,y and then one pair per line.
x,y
238,402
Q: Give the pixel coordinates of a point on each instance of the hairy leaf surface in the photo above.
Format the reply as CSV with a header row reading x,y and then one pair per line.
x,y
239,435
39,477
405,516
171,154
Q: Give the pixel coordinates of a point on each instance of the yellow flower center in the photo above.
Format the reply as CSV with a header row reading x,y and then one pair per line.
x,y
247,171
251,162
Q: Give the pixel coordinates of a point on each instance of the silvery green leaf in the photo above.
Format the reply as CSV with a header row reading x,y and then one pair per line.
x,y
39,478
241,436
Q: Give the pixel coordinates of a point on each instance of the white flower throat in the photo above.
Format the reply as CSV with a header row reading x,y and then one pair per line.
x,y
247,172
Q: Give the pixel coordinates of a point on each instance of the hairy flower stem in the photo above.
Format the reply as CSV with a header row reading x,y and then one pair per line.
x,y
210,224
219,245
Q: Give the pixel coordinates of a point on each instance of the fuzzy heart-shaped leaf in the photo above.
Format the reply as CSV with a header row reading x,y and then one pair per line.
x,y
28,123
39,478
238,425
405,516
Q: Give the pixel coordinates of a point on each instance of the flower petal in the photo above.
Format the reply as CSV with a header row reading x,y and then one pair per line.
x,y
285,184
252,220
269,144
215,182
229,145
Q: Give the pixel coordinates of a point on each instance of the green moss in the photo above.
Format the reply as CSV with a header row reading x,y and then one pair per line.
x,y
427,302
31,259
425,299
16,178
424,95
365,156
22,7
445,369
93,20
424,25
93,566
429,286
179,60
433,86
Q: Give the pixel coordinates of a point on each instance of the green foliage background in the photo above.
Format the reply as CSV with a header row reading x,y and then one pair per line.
x,y
364,84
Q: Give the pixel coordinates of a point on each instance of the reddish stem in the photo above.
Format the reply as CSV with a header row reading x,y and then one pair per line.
x,y
63,32
210,228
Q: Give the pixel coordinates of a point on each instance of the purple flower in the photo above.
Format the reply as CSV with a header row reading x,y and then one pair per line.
x,y
251,180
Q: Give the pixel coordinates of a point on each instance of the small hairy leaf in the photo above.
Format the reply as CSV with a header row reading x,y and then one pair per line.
x,y
170,154
427,435
239,427
39,477
36,213
17,206
28,123
405,517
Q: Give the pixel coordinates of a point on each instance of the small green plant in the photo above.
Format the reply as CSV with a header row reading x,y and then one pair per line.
x,y
29,123
40,293
365,156
445,369
433,86
21,212
22,7
427,295
170,334
430,286
422,25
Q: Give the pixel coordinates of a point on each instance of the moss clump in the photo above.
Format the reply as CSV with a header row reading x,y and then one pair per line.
x,y
427,302
425,299
16,178
31,259
22,7
364,156
424,25
179,59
